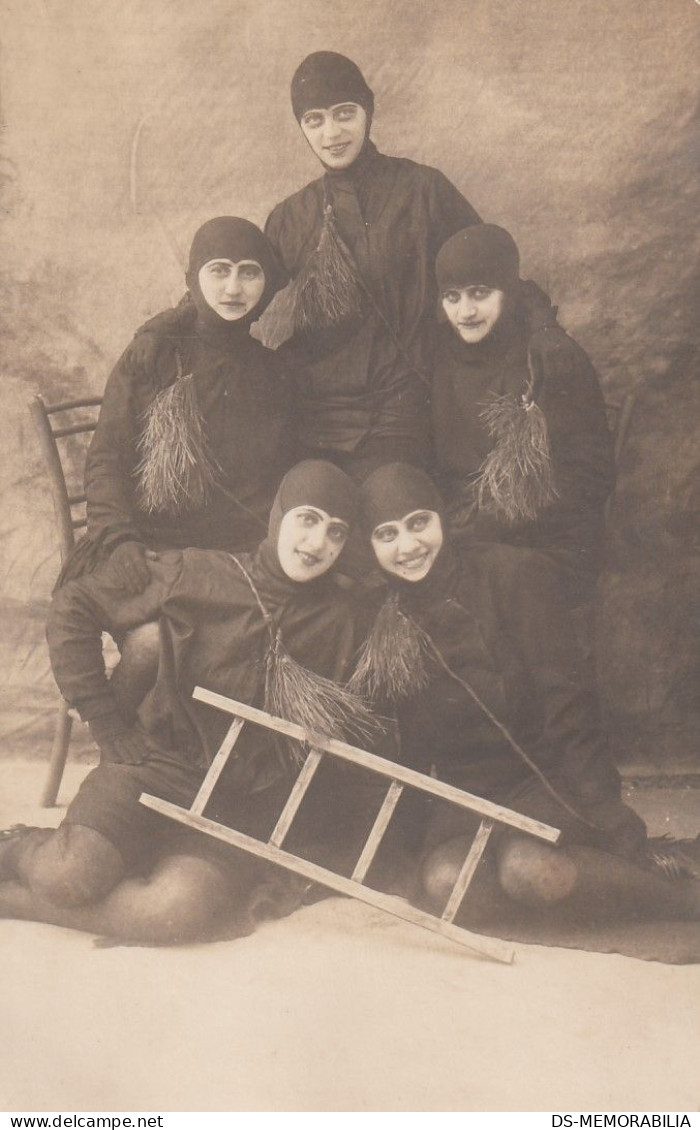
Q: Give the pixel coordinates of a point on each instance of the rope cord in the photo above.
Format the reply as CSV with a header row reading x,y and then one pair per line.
x,y
534,768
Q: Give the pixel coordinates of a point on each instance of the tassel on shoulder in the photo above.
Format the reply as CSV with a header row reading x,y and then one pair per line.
x,y
391,664
298,695
176,471
516,479
318,704
327,290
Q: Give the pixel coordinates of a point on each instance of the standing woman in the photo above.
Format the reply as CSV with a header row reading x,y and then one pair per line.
x,y
360,244
477,652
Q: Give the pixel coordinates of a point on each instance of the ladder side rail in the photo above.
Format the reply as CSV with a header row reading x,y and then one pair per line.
x,y
489,947
384,767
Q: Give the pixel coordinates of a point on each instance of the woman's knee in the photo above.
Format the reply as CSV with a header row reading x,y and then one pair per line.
x,y
534,873
441,869
184,901
74,867
136,671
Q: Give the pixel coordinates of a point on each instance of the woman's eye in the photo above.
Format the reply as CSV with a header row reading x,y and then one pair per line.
x,y
451,296
479,293
219,272
313,121
337,533
308,519
250,273
384,535
346,114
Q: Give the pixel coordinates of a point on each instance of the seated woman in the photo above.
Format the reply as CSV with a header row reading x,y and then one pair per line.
x,y
522,457
192,440
240,625
189,450
477,652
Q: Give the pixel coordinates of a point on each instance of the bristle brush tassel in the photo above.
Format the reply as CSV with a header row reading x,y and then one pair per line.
x,y
391,664
326,290
516,479
176,471
320,705
314,702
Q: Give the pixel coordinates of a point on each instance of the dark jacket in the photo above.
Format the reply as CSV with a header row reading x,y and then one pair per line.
x,y
466,380
494,615
244,397
368,378
213,634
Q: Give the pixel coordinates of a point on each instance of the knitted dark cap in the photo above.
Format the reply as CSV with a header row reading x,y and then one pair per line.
x,y
315,483
394,490
326,79
230,237
481,255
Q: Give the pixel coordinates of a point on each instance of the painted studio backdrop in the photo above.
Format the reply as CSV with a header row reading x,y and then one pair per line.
x,y
573,124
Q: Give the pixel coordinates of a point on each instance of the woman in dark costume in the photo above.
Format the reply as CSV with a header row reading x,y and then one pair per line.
x,y
477,653
360,244
192,441
269,629
519,459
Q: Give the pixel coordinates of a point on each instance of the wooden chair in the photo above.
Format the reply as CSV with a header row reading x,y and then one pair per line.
x,y
70,514
398,777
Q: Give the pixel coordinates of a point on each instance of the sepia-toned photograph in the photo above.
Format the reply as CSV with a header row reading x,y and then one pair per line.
x,y
350,557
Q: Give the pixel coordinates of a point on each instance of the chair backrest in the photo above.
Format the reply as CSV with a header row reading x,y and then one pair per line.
x,y
69,508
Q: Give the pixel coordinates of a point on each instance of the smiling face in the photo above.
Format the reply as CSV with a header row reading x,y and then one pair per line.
x,y
336,134
408,547
309,542
231,289
473,310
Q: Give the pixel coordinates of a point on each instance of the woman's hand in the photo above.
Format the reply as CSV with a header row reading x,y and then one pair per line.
x,y
129,566
117,741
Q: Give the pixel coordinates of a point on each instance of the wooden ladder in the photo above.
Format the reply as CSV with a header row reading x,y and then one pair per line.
x,y
399,776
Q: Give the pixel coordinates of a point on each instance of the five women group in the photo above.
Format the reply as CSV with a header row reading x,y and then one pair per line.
x,y
384,530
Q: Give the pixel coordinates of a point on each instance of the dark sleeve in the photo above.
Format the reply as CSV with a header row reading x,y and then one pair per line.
x,y
113,456
580,440
176,320
294,225
81,611
449,210
537,621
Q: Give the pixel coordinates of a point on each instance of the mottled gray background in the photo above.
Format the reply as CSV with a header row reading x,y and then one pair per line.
x,y
573,124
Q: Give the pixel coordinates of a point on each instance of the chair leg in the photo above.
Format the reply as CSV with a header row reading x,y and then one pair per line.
x,y
59,753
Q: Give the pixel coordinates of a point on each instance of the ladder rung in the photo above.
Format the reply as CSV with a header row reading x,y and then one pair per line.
x,y
468,868
489,947
386,768
74,499
378,829
215,769
78,523
296,796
